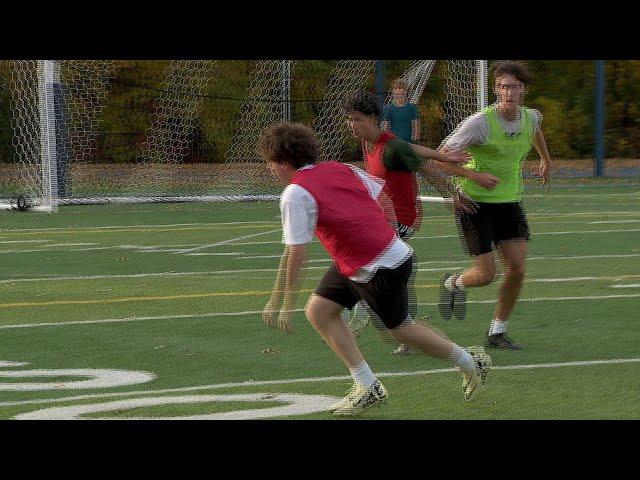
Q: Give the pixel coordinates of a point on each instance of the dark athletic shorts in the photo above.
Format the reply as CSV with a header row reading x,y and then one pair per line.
x,y
387,293
492,224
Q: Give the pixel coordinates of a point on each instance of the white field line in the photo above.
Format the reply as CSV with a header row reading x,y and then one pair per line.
x,y
158,225
259,312
25,241
575,257
225,272
204,224
548,299
632,285
570,232
615,221
587,195
577,279
335,378
61,251
72,244
211,254
231,240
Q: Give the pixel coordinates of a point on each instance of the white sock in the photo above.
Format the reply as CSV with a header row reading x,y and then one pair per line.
x,y
363,375
448,283
498,326
462,359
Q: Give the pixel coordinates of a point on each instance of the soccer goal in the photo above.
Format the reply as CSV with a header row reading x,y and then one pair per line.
x,y
92,132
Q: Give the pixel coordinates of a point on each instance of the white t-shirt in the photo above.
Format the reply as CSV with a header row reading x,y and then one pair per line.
x,y
299,213
475,130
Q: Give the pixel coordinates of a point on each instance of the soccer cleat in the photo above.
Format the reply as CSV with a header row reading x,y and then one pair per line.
x,y
459,301
472,383
358,319
445,303
402,350
347,398
500,340
361,399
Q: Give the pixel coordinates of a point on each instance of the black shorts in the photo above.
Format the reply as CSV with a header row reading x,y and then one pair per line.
x,y
389,293
492,224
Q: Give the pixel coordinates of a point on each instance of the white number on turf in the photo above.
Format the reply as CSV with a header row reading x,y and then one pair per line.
x,y
295,404
97,378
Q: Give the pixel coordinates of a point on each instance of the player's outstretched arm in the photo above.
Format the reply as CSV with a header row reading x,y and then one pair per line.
x,y
442,183
455,157
484,179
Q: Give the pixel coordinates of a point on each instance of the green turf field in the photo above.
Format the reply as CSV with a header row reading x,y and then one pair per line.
x,y
153,311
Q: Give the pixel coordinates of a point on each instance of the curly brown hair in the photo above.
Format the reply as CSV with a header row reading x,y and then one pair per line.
x,y
517,69
293,143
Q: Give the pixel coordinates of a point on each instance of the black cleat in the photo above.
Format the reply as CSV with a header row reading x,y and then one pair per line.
x,y
445,304
500,340
459,300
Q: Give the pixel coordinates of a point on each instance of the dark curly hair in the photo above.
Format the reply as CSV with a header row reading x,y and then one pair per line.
x,y
294,143
363,102
516,69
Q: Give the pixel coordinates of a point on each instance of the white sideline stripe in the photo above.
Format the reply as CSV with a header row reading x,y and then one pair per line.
x,y
133,319
231,240
252,383
25,241
88,227
632,285
548,299
577,257
72,244
259,312
158,225
63,251
572,195
571,232
210,254
212,272
615,221
586,231
429,237
569,279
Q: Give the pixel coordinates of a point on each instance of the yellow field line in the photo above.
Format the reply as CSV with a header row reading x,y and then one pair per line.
x,y
212,294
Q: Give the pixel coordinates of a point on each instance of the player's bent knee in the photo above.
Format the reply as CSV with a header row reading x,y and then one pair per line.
x,y
319,309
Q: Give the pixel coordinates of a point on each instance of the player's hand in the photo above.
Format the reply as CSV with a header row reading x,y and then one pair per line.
x,y
284,321
543,171
462,203
486,180
456,157
270,313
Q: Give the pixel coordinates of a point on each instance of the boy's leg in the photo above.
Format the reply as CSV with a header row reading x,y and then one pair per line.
x,y
323,311
388,296
513,254
512,234
324,315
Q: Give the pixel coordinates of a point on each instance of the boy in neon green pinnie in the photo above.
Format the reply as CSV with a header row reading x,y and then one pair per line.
x,y
498,138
